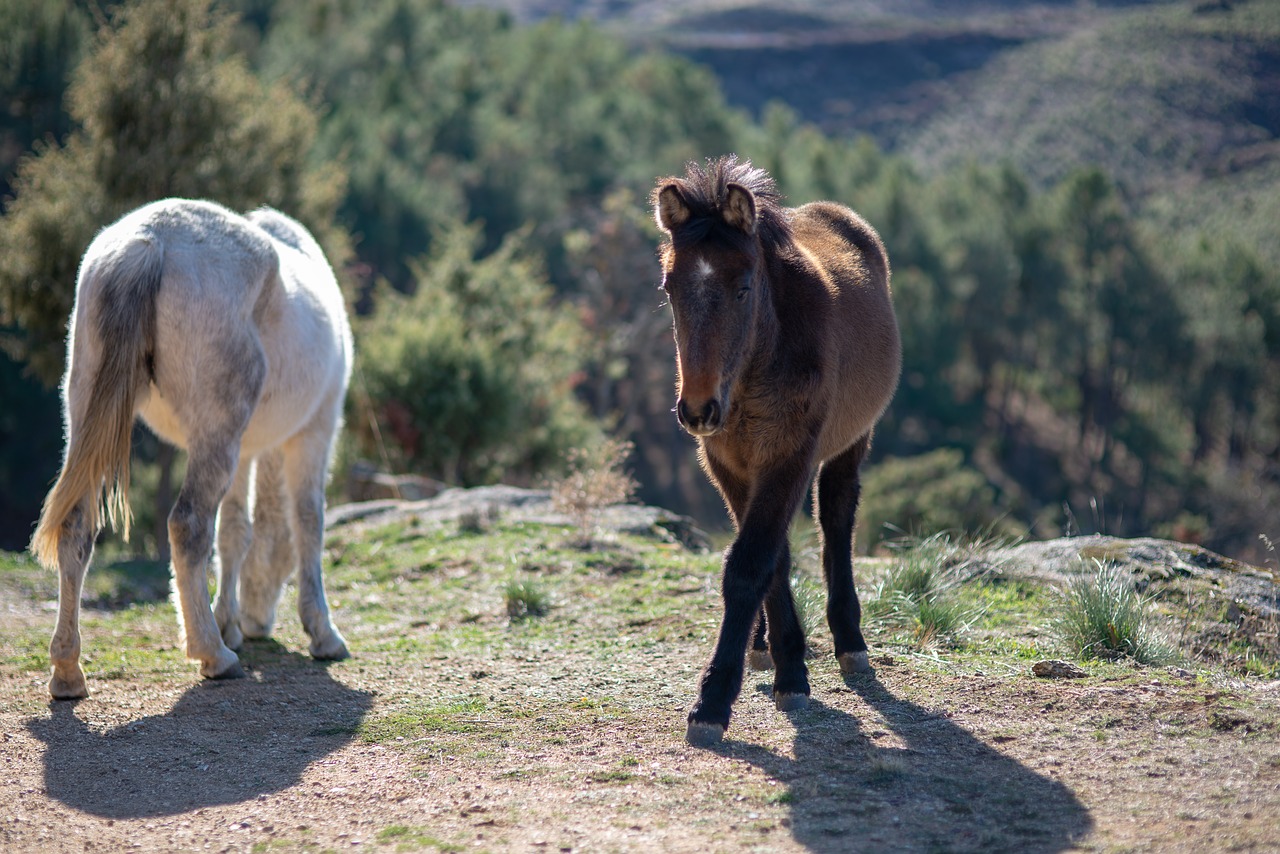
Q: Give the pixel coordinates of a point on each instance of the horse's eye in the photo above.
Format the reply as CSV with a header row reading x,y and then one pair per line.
x,y
742,292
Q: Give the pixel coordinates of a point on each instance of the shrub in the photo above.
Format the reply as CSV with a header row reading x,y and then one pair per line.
x,y
595,481
471,378
920,591
1102,616
927,494
525,599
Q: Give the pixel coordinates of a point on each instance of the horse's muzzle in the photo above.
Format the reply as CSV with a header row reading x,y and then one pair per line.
x,y
704,420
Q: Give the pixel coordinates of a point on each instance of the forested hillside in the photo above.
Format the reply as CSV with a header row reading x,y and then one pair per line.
x,y
1083,349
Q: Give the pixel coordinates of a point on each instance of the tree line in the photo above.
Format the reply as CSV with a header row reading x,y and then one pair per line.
x,y
483,188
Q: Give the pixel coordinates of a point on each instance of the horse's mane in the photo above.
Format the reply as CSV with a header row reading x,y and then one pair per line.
x,y
705,188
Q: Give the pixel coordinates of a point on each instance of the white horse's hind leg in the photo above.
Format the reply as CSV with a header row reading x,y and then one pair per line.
x,y
74,550
306,459
271,557
191,530
235,532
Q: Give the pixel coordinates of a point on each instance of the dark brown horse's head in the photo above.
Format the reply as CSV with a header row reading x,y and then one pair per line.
x,y
716,217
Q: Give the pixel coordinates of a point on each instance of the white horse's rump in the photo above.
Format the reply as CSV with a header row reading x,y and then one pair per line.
x,y
229,337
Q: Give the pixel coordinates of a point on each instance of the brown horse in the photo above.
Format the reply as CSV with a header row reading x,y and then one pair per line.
x,y
788,353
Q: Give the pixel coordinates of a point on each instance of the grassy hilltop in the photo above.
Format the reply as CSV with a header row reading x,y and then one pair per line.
x,y
511,687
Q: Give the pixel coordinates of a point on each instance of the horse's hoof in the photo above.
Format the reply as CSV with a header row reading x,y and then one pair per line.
x,y
333,648
68,688
701,734
232,636
852,663
759,659
225,665
235,671
790,702
251,628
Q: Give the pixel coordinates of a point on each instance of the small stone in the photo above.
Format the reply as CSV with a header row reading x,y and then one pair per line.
x,y
1056,669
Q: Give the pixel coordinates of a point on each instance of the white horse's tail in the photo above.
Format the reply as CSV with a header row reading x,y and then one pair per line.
x,y
122,287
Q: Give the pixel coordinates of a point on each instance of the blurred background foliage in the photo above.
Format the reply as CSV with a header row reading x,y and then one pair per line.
x,y
1078,201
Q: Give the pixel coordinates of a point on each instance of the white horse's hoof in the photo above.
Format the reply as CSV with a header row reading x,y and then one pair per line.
x,y
855,662
232,636
226,665
251,628
69,685
332,648
790,702
703,735
759,659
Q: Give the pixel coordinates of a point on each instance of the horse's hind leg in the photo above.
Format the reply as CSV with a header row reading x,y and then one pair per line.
x,y
306,460
271,557
758,658
74,550
191,531
786,638
838,490
235,532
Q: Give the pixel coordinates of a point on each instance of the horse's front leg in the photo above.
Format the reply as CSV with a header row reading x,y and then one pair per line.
x,y
750,568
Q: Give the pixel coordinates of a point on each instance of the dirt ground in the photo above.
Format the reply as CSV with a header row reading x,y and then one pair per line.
x,y
569,736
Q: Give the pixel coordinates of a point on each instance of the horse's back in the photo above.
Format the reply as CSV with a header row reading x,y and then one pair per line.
x,y
865,351
237,302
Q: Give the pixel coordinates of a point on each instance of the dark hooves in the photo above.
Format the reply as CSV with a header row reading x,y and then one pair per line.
x,y
702,734
790,702
855,663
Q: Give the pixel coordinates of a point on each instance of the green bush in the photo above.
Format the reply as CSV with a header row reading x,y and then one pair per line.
x,y
927,494
470,380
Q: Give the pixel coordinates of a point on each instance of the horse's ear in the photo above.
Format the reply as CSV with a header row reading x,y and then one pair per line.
x,y
670,208
739,208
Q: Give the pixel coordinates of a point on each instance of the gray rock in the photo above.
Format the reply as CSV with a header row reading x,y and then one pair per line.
x,y
1057,669
514,503
1152,563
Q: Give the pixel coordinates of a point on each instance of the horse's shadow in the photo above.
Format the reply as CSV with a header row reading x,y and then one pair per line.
x,y
937,788
221,743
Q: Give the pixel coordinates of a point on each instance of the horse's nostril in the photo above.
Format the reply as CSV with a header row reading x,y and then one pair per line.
x,y
711,416
682,411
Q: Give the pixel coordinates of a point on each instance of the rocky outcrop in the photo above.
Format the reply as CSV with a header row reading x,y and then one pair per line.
x,y
1156,565
511,503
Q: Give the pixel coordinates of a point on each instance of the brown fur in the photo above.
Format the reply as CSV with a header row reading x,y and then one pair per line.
x,y
788,354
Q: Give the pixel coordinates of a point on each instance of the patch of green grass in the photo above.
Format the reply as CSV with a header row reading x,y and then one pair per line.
x,y
459,716
1101,616
268,845
811,602
413,839
524,599
921,592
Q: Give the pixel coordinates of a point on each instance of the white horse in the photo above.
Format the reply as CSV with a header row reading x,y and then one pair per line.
x,y
229,337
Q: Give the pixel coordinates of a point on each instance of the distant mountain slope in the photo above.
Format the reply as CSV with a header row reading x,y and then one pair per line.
x,y
1178,100
1159,97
